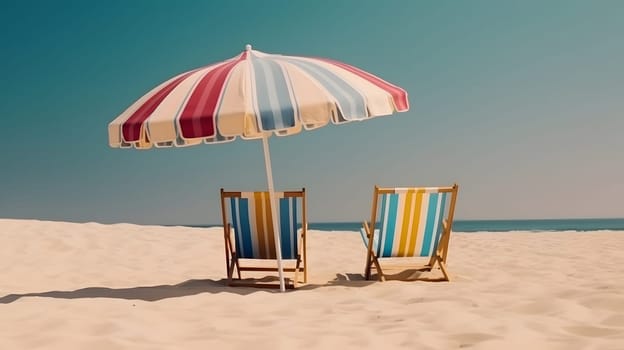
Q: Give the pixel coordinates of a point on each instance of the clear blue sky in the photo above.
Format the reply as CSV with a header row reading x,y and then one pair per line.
x,y
520,102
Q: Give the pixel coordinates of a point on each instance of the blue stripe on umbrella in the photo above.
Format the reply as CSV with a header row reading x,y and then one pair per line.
x,y
351,102
276,109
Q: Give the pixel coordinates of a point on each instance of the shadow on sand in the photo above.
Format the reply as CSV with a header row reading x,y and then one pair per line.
x,y
147,293
197,286
160,292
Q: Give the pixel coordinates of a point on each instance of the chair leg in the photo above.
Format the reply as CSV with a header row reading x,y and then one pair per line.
x,y
369,253
372,259
228,248
297,266
443,268
235,260
237,269
432,262
367,270
304,253
230,256
380,274
301,260
233,264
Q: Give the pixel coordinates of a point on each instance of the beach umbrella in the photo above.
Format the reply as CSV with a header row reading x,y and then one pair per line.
x,y
252,96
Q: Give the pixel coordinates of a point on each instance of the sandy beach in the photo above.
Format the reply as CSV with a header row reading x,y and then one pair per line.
x,y
123,286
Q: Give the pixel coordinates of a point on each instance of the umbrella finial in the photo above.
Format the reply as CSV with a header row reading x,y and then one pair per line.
x,y
248,47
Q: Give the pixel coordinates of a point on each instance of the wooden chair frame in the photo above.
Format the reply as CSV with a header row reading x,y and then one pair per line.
x,y
439,256
235,263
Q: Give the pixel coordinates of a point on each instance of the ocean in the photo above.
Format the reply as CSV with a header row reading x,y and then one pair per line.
x,y
554,225
502,225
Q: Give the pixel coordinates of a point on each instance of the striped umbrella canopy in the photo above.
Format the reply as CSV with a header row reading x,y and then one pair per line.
x,y
252,96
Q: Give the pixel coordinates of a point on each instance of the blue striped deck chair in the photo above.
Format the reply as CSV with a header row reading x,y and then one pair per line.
x,y
409,222
249,238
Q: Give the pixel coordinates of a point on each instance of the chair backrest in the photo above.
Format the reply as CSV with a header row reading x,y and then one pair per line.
x,y
250,217
411,219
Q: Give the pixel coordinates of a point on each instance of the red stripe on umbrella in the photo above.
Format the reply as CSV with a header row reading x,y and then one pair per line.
x,y
132,127
197,119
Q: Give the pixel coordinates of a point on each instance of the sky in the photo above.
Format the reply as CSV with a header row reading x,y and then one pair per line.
x,y
519,102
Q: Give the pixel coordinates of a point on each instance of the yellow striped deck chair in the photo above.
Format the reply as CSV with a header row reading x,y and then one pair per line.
x,y
249,238
409,222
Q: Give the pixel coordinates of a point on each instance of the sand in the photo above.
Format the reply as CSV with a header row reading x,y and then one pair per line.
x,y
122,286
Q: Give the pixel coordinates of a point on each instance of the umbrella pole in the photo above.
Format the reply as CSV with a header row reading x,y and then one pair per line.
x,y
276,227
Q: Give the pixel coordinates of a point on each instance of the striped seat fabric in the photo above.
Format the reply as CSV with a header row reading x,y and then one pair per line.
x,y
410,222
253,226
248,221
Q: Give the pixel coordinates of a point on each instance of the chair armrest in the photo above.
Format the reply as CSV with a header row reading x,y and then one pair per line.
x,y
366,228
